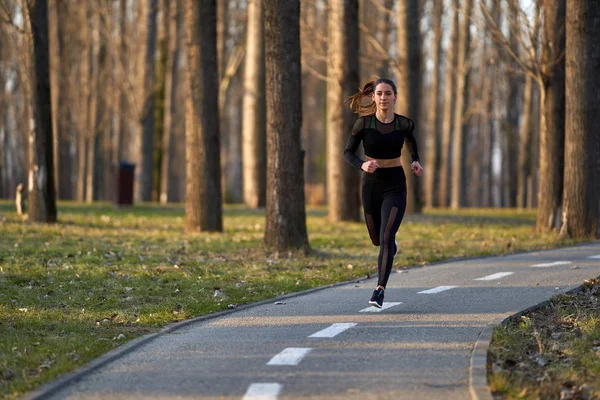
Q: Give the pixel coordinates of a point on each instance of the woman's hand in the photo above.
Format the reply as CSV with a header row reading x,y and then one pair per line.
x,y
416,168
369,166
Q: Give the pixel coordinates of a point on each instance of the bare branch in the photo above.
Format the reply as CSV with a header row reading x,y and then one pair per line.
x,y
382,8
114,46
515,22
235,59
499,37
8,18
380,49
317,74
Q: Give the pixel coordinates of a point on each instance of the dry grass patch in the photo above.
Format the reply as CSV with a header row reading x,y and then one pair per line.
x,y
552,352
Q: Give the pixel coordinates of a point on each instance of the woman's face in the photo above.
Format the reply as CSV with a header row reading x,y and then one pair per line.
x,y
384,97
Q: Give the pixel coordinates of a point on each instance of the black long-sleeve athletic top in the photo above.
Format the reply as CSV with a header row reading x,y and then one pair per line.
x,y
381,140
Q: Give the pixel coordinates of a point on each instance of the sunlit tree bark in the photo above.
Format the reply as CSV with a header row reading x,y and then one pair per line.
x,y
285,210
203,204
42,194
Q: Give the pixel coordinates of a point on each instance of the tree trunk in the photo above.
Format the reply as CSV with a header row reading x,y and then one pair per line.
x,y
83,107
54,84
342,72
285,210
4,106
409,88
42,194
513,109
171,80
552,113
203,205
486,80
448,111
92,116
235,193
253,110
534,122
145,141
384,25
122,135
223,36
63,124
458,172
432,140
222,26
493,77
525,145
581,196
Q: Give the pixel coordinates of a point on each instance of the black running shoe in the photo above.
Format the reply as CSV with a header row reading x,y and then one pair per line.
x,y
377,298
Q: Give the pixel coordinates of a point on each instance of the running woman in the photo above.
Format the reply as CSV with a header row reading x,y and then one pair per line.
x,y
383,134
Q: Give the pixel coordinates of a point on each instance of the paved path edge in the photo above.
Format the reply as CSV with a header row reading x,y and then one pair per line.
x,y
64,380
478,365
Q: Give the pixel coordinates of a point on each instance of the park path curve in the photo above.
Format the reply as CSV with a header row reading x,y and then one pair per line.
x,y
329,344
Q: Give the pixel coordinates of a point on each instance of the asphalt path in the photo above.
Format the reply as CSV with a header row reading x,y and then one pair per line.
x,y
330,344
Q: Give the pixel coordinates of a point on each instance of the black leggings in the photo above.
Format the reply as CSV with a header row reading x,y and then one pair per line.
x,y
384,203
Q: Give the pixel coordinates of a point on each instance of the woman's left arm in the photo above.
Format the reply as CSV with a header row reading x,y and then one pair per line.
x,y
411,144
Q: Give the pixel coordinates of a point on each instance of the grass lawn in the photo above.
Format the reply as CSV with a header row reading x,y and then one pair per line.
x,y
102,276
552,352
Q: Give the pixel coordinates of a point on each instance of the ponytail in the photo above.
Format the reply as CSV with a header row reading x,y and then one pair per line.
x,y
356,100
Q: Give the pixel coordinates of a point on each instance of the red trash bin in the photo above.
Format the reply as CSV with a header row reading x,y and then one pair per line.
x,y
124,176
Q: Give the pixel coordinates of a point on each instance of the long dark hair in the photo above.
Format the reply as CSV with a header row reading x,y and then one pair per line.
x,y
356,100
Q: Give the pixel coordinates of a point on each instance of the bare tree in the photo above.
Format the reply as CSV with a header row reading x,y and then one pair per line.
x,y
487,84
171,78
384,23
54,82
314,101
231,33
581,204
432,145
525,146
65,130
83,104
285,210
3,117
513,108
121,105
42,194
222,27
548,72
342,73
525,151
92,116
254,112
448,109
203,204
552,126
145,139
462,101
409,86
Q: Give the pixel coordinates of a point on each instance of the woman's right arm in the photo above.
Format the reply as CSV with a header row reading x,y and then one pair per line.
x,y
353,142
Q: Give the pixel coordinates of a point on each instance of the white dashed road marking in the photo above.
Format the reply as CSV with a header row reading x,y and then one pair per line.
x,y
595,257
437,289
333,330
494,276
375,309
290,356
551,264
262,391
